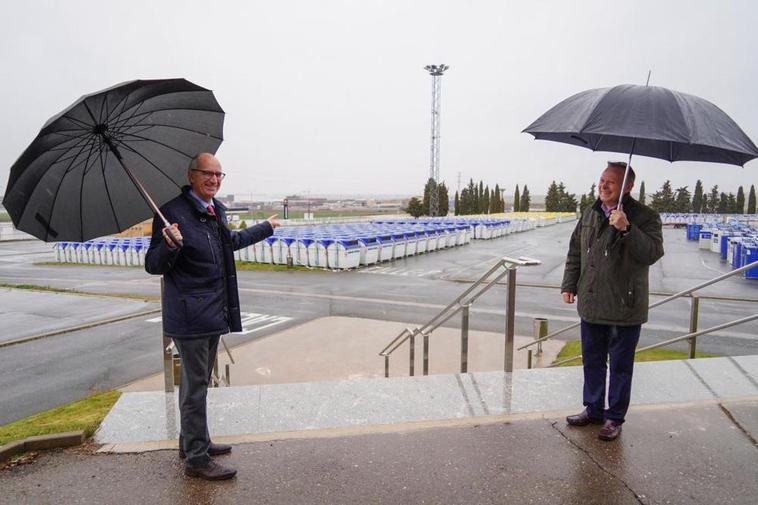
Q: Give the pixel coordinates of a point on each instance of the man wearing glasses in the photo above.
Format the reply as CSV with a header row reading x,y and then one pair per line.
x,y
200,300
612,247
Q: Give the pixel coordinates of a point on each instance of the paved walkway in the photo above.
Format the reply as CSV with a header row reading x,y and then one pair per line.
x,y
334,348
696,453
150,420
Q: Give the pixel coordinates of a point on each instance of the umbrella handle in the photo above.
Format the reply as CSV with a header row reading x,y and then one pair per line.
x,y
177,243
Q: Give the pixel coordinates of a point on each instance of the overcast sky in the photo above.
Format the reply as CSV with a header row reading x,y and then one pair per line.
x,y
331,97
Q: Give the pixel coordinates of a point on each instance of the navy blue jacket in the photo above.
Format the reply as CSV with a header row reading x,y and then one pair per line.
x,y
200,297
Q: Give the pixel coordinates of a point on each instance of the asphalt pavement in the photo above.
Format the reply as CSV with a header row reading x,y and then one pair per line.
x,y
702,453
42,374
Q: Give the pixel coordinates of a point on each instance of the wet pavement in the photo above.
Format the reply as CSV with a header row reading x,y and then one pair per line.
x,y
150,420
699,453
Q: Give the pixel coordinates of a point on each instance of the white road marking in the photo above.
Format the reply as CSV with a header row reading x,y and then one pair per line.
x,y
250,321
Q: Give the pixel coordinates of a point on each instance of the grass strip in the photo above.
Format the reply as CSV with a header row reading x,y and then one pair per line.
x,y
268,267
241,265
85,415
574,348
51,289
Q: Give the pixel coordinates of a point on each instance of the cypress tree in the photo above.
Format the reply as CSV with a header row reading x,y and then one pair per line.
x,y
642,192
516,200
713,200
525,200
740,203
751,200
697,198
551,198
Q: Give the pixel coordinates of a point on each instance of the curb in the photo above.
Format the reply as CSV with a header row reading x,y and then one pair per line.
x,y
41,442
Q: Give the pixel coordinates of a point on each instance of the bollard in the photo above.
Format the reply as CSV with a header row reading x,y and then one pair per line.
x,y
540,330
529,359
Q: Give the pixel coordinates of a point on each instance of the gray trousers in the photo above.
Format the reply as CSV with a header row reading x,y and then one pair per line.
x,y
198,356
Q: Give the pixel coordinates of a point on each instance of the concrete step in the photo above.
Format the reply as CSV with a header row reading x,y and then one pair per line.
x,y
150,420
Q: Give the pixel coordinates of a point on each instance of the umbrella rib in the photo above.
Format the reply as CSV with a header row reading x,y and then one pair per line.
x,y
138,137
129,148
118,121
597,144
121,103
81,162
57,192
56,160
169,109
105,180
147,126
85,126
81,194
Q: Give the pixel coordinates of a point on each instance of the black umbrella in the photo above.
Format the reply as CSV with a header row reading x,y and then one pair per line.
x,y
88,172
649,121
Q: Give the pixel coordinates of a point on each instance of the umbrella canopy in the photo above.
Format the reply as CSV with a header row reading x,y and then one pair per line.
x,y
648,121
88,172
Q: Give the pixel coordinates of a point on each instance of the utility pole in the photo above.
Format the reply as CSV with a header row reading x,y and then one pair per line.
x,y
436,72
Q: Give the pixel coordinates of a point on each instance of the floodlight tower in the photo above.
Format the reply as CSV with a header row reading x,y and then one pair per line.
x,y
436,72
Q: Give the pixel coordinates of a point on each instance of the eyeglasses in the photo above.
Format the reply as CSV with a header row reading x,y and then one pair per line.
x,y
209,175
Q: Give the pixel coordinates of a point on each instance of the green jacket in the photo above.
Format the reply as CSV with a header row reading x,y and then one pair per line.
x,y
608,270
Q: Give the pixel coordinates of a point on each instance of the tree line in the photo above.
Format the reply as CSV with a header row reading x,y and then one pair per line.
x,y
715,202
665,199
473,199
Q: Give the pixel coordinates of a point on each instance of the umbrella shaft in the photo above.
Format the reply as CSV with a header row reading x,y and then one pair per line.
x,y
136,181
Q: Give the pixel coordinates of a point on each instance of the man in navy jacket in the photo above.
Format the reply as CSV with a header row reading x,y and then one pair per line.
x,y
200,298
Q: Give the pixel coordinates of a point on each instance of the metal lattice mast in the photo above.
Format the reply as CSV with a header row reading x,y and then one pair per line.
x,y
436,72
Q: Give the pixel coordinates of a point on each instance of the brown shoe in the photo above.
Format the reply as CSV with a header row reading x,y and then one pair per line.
x,y
213,450
610,431
211,471
582,419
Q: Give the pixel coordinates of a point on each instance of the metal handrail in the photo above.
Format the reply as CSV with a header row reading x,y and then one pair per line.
x,y
675,339
462,303
680,294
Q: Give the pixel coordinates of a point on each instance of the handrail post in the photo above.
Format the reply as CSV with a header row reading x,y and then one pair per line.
x,y
510,313
694,310
412,353
168,357
426,354
540,330
464,338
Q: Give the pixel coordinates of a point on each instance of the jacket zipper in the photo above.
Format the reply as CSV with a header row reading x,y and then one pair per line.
x,y
210,244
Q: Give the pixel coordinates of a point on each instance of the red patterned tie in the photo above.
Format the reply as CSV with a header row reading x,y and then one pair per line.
x,y
212,212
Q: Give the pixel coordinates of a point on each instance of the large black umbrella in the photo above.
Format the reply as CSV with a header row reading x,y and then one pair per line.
x,y
648,121
88,172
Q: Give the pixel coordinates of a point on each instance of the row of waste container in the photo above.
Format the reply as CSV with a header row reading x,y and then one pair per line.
x,y
108,251
354,245
691,218
338,246
736,243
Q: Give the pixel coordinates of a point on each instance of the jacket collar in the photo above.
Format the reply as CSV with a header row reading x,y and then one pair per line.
x,y
626,202
196,203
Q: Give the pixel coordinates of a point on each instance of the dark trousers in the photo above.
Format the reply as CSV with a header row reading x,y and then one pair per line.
x,y
198,356
614,345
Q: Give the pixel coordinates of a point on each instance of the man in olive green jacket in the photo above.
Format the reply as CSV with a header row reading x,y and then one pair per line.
x,y
606,271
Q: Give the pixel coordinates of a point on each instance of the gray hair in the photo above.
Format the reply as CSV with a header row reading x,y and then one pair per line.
x,y
193,163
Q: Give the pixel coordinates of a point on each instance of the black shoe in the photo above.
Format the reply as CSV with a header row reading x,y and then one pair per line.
x,y
213,450
582,419
610,431
211,471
